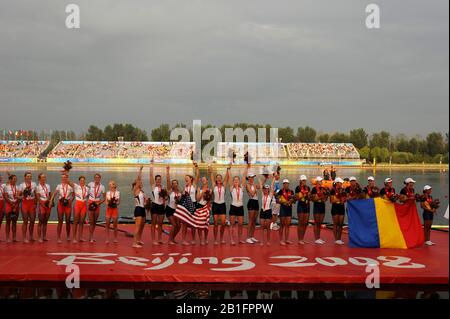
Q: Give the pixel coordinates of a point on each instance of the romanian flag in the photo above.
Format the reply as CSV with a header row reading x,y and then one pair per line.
x,y
378,223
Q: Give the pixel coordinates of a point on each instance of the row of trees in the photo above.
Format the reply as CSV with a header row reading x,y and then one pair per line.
x,y
381,146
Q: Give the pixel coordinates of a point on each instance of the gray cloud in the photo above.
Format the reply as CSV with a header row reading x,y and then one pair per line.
x,y
280,62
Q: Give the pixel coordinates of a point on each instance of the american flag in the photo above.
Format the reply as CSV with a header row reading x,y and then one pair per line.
x,y
198,218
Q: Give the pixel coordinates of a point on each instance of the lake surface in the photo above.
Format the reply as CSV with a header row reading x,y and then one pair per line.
x,y
124,176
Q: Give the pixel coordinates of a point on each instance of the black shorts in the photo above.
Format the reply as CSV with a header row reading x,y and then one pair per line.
x,y
337,210
319,208
169,211
198,205
303,208
219,209
236,211
158,209
253,204
427,215
285,211
265,214
139,211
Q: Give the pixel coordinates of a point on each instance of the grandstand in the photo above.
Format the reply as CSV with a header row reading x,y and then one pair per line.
x,y
22,151
322,150
104,152
323,154
122,152
290,153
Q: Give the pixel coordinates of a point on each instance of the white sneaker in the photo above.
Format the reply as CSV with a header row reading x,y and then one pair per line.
x,y
319,241
429,243
254,240
249,241
339,242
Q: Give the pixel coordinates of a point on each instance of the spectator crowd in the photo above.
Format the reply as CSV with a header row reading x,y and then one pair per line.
x,y
176,150
322,150
22,149
122,150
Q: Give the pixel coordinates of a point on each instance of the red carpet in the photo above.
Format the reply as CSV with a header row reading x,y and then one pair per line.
x,y
309,264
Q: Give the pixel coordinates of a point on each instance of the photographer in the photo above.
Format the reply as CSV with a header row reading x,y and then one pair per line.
x,y
43,194
112,210
338,197
96,199
65,197
28,190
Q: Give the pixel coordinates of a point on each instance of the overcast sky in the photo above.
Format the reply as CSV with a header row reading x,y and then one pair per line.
x,y
280,62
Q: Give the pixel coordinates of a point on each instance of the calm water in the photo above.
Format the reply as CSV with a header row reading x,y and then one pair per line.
x,y
124,176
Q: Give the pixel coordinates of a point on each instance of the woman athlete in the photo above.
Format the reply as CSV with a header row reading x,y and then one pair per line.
x,y
96,199
237,206
81,191
43,194
28,192
140,201
65,197
158,205
112,210
174,197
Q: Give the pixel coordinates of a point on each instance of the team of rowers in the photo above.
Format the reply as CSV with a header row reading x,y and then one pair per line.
x,y
269,197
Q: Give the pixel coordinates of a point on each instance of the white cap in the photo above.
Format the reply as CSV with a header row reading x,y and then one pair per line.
x,y
319,179
303,178
251,175
285,181
266,186
352,178
370,178
388,180
409,180
427,187
338,180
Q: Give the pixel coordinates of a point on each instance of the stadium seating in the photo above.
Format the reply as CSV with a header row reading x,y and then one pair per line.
x,y
322,150
131,150
22,149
